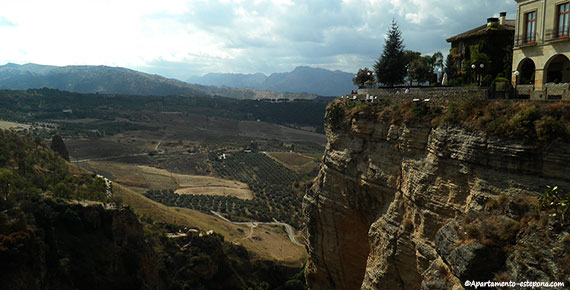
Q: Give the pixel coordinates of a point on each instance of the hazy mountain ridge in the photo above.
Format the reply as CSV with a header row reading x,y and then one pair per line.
x,y
302,79
91,79
115,80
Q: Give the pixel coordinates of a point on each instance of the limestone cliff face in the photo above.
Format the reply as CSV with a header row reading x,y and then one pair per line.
x,y
384,190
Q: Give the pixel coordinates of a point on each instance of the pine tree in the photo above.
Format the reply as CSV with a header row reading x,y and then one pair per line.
x,y
391,67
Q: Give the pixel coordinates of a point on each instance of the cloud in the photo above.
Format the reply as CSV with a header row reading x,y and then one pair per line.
x,y
5,22
179,38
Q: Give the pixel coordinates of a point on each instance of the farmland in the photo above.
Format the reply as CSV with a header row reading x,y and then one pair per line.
x,y
271,183
12,125
264,242
303,164
162,155
142,178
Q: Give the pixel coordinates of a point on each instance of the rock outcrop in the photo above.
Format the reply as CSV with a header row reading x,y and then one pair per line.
x,y
63,246
386,188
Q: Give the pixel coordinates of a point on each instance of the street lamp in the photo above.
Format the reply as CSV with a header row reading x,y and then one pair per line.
x,y
516,74
478,72
473,67
482,66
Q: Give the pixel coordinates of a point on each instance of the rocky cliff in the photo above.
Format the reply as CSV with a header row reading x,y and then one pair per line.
x,y
55,245
406,205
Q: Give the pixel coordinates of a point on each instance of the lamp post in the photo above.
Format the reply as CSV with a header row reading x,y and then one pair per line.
x,y
473,67
478,72
516,74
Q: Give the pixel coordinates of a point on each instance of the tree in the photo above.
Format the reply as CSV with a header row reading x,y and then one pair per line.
x,y
62,190
411,55
391,66
7,180
435,61
362,77
450,68
420,69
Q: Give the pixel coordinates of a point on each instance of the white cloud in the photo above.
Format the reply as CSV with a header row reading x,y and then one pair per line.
x,y
183,37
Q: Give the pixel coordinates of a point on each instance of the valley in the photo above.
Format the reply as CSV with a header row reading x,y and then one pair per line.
x,y
179,159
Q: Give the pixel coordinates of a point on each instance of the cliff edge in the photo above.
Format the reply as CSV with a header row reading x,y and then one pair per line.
x,y
406,199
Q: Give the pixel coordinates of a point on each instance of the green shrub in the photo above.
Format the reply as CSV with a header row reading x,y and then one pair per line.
x,y
556,203
548,128
420,109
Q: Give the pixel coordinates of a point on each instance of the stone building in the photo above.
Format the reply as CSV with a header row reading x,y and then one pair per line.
x,y
482,52
541,69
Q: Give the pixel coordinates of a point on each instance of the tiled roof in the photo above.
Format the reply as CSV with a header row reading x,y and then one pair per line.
x,y
509,25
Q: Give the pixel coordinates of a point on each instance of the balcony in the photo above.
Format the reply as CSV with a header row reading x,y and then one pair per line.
x,y
525,90
556,91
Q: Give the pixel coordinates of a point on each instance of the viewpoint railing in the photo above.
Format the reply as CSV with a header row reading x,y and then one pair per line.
x,y
444,95
434,94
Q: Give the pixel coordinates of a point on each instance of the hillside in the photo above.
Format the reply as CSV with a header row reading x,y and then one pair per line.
x,y
316,81
38,105
115,80
424,196
59,231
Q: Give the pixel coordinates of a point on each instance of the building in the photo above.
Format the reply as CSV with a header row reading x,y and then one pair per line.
x,y
483,53
541,69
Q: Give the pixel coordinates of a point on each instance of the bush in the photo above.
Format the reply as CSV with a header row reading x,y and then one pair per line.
x,y
420,109
548,128
556,203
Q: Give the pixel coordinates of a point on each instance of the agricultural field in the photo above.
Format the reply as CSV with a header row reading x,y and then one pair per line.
x,y
300,163
265,242
304,141
271,183
142,178
87,149
11,125
166,148
206,185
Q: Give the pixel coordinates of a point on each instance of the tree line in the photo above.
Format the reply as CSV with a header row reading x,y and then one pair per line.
x,y
396,64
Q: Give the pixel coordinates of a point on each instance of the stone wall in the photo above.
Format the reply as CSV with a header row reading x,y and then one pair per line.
x,y
441,95
444,95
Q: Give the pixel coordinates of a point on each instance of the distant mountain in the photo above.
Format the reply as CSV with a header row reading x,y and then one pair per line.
x,y
316,81
251,81
91,79
115,80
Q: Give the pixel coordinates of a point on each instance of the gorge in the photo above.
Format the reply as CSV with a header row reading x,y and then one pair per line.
x,y
407,199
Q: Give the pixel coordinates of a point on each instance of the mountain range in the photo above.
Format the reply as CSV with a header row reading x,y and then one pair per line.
x,y
305,79
91,79
302,83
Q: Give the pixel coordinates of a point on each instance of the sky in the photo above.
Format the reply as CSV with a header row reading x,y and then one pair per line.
x,y
184,38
